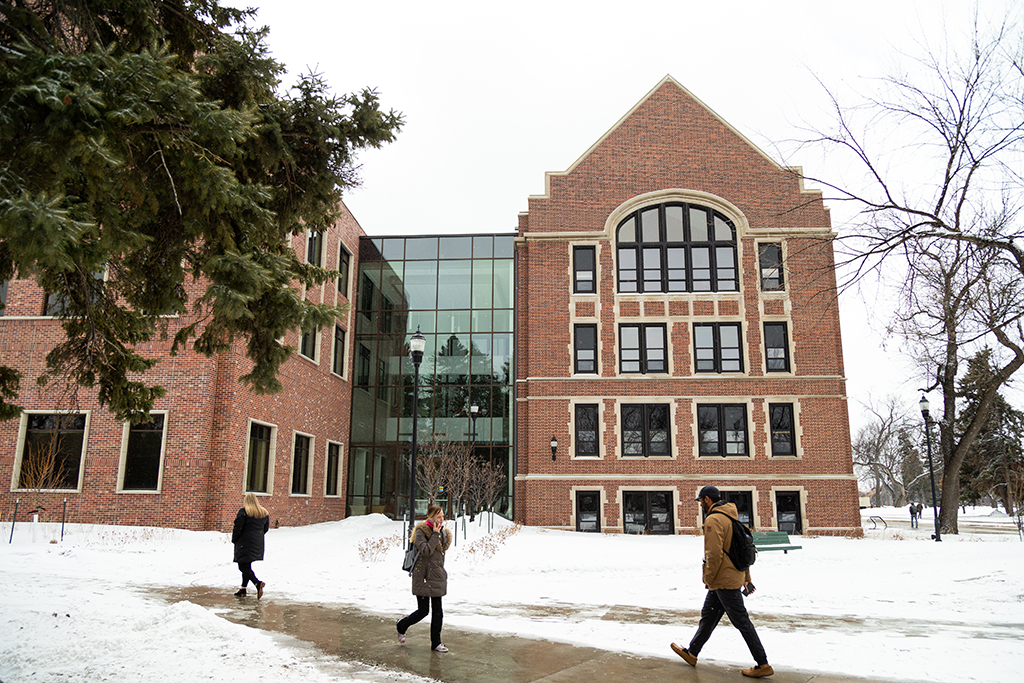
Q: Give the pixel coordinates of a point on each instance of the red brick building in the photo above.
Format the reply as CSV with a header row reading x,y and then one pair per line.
x,y
678,326
210,440
674,324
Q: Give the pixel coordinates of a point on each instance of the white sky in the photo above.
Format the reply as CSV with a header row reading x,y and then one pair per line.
x,y
497,94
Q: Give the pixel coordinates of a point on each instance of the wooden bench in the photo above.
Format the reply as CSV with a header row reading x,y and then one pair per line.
x,y
773,540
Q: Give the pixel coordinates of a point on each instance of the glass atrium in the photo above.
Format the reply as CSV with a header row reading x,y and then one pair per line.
x,y
459,292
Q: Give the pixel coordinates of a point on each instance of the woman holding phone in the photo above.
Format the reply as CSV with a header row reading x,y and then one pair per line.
x,y
429,578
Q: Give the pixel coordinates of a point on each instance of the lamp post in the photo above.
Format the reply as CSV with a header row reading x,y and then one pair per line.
x,y
931,469
474,413
554,447
416,345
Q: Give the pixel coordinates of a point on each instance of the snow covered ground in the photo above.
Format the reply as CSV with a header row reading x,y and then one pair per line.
x,y
891,606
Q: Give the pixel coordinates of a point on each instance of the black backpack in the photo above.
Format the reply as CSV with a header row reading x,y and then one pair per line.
x,y
742,551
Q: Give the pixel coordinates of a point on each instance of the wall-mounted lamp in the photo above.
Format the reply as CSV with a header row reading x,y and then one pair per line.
x,y
554,447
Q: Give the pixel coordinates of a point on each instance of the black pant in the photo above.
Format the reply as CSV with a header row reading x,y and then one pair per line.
x,y
247,574
423,607
729,602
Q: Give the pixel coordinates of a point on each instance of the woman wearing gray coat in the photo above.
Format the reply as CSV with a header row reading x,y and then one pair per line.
x,y
429,579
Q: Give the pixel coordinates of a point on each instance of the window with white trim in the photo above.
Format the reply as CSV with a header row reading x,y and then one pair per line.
x,y
584,270
585,349
776,347
646,430
587,429
722,430
769,260
52,451
643,348
717,347
143,454
301,463
676,247
783,429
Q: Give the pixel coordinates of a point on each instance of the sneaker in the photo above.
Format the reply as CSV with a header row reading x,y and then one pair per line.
x,y
259,589
685,654
240,593
759,671
441,648
401,636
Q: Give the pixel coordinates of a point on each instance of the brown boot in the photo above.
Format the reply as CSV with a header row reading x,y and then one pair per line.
x,y
685,654
759,671
259,589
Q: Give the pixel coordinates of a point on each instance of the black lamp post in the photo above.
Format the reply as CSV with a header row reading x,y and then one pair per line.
x,y
554,447
474,412
931,469
416,346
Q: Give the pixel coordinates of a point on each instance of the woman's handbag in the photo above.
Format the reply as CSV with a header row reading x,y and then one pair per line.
x,y
412,554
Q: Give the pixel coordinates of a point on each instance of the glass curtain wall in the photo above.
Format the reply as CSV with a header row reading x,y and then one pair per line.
x,y
458,291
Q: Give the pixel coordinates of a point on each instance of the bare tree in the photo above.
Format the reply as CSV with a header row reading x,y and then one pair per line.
x,y
883,452
940,206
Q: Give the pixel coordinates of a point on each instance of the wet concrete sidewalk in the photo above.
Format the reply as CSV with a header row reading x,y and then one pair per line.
x,y
475,657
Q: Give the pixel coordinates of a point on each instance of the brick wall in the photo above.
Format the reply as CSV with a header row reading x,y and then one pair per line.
x,y
672,148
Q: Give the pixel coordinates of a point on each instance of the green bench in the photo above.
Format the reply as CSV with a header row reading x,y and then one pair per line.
x,y
773,540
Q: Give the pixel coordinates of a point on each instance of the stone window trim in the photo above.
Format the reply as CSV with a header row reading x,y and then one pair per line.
x,y
725,358
721,402
602,502
578,253
20,450
339,490
786,347
797,428
309,345
581,333
648,361
271,456
771,279
343,351
685,196
673,421
583,401
676,499
345,269
311,455
123,460
775,489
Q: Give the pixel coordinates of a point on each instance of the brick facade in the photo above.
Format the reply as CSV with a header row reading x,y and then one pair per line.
x,y
207,415
671,148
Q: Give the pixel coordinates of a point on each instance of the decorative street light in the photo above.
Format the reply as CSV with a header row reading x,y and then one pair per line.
x,y
416,346
554,447
474,413
931,469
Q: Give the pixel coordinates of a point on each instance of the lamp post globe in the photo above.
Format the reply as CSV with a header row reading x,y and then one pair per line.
x,y
417,344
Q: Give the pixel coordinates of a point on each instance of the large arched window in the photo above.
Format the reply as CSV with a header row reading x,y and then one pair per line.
x,y
676,247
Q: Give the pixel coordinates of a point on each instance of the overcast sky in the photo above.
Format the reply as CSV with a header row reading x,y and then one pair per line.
x,y
496,94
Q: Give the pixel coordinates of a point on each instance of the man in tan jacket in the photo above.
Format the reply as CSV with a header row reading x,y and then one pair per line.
x,y
723,582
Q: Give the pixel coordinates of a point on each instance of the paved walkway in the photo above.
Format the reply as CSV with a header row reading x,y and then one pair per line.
x,y
476,657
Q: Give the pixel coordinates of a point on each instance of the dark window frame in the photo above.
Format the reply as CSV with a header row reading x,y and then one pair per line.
x,y
135,461
338,352
629,513
646,366
586,447
363,368
332,470
769,360
315,247
586,526
770,267
259,433
579,365
778,416
302,448
578,282
648,413
665,262
718,359
344,266
309,343
723,436
56,428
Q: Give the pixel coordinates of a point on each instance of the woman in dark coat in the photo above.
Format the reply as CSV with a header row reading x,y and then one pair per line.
x,y
429,579
251,523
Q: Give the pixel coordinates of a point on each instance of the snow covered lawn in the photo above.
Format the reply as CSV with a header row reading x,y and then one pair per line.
x,y
894,605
